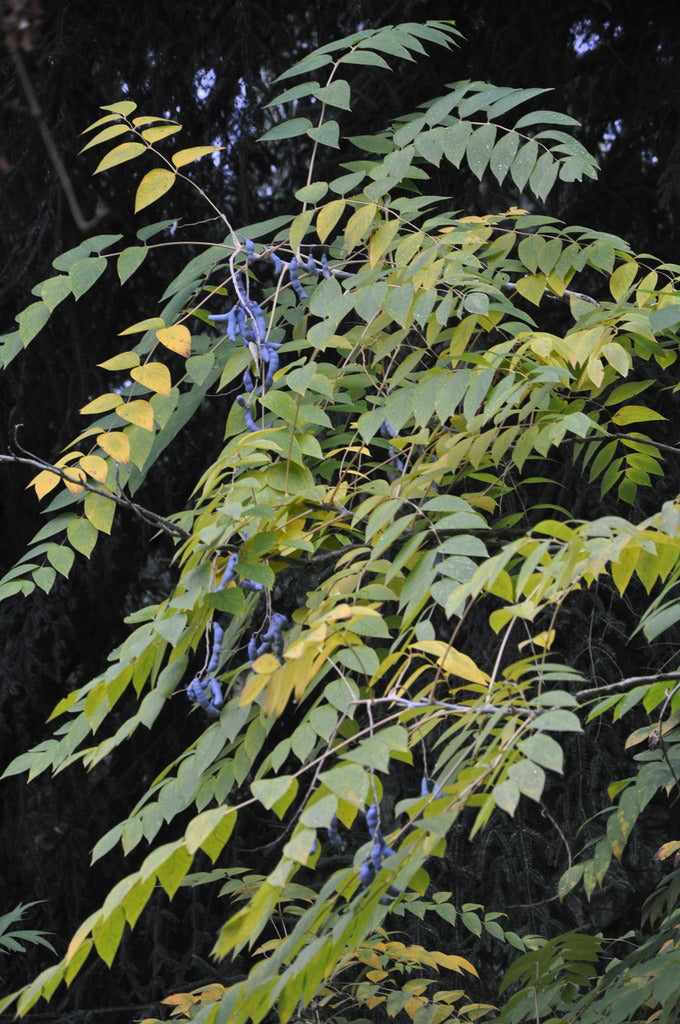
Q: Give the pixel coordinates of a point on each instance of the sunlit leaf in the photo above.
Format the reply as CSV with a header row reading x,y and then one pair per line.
x,y
153,185
154,376
188,156
115,444
177,338
121,154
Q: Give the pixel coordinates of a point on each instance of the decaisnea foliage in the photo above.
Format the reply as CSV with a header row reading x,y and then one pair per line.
x,y
394,370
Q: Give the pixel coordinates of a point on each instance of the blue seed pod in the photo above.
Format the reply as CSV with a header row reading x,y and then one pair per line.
x,y
273,365
295,280
428,786
386,430
241,322
250,248
252,649
324,265
310,265
366,874
229,571
248,382
231,324
389,895
250,422
217,700
258,322
195,690
333,835
251,585
376,856
277,263
372,818
218,634
239,288
196,693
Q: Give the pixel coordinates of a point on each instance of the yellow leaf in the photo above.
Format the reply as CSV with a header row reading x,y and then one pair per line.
x,y
381,241
107,119
69,457
80,475
103,403
160,131
115,444
138,412
454,963
453,662
667,850
152,323
107,133
95,467
126,151
187,156
122,107
123,361
532,287
595,370
177,338
328,217
44,482
154,376
622,279
152,186
359,225
299,227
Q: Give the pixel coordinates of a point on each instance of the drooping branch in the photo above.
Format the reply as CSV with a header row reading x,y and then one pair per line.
x,y
121,499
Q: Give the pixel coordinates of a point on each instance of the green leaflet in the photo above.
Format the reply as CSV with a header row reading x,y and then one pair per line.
x,y
363,623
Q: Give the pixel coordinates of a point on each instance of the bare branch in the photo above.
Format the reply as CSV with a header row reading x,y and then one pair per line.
x,y
54,155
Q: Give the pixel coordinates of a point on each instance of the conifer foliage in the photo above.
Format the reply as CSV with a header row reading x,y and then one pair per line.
x,y
394,371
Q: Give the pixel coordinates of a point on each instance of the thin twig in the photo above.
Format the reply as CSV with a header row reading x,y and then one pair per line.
x,y
510,286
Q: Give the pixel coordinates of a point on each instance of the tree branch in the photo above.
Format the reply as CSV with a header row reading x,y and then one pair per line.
x,y
626,684
574,439
160,522
53,153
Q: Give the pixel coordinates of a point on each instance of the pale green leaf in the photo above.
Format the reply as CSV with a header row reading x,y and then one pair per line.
x,y
130,260
84,273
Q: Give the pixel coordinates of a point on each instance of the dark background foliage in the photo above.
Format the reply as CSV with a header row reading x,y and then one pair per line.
x,y
614,66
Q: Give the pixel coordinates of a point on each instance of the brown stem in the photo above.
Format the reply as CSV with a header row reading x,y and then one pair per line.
x,y
53,153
